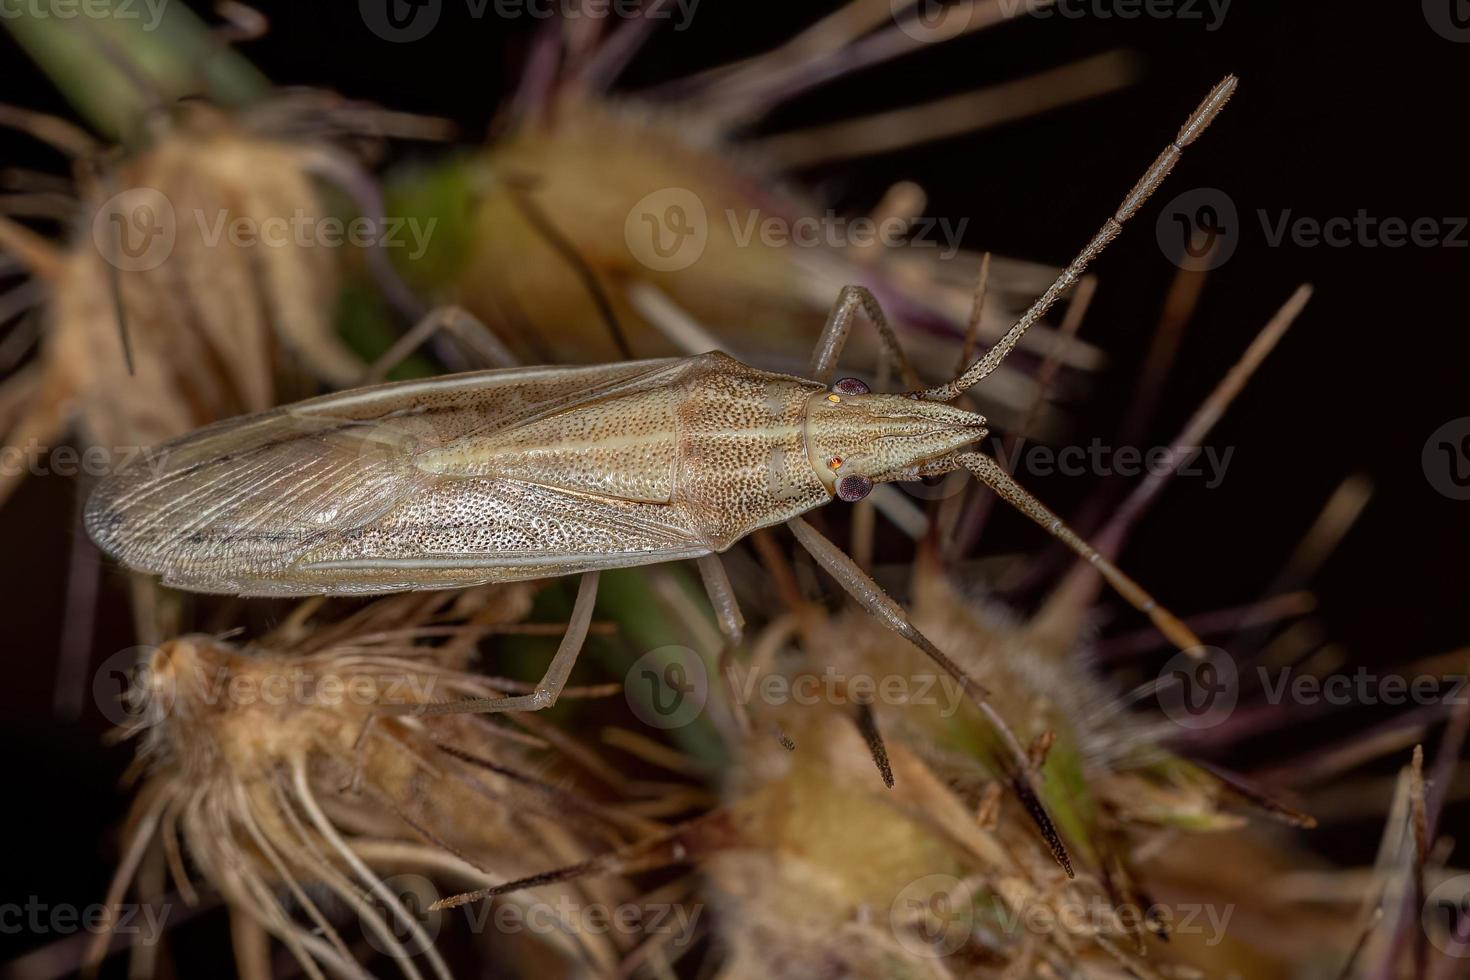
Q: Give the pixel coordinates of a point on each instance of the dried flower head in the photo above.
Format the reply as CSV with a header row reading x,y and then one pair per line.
x,y
270,770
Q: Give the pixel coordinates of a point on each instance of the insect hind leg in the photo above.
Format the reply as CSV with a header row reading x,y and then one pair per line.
x,y
456,321
551,684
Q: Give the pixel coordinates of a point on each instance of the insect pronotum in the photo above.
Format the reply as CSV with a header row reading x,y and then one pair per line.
x,y
536,472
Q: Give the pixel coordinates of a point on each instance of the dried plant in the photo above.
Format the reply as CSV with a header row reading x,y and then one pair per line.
x,y
269,769
636,223
159,315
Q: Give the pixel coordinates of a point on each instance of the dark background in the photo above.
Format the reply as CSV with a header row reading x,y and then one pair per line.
x,y
1341,107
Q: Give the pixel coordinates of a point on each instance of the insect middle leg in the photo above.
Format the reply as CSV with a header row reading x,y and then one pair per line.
x,y
732,625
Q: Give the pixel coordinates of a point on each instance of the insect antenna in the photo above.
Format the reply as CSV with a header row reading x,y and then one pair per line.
x,y
1110,539
1142,190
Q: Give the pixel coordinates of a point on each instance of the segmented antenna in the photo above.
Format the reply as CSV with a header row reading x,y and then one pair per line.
x,y
1147,184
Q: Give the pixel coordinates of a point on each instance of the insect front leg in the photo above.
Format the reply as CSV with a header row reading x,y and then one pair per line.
x,y
897,508
551,684
455,321
993,475
839,325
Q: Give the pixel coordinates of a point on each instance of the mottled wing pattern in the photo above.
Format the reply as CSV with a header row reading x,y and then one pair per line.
x,y
326,496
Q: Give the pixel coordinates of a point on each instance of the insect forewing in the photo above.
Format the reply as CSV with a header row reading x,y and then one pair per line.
x,y
328,496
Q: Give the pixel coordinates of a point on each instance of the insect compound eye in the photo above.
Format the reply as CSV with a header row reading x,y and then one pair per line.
x,y
854,488
850,386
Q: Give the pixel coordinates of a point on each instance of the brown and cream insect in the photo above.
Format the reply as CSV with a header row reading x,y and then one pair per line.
x,y
525,473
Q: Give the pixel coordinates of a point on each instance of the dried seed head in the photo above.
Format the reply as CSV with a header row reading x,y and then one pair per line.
x,y
273,767
202,284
